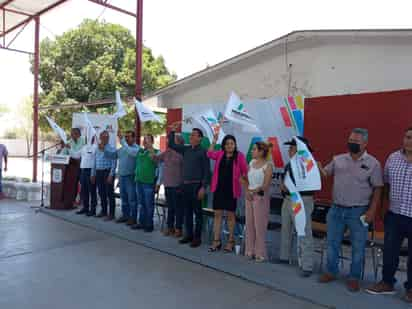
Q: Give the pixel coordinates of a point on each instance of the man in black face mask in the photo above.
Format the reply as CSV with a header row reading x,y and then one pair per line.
x,y
357,187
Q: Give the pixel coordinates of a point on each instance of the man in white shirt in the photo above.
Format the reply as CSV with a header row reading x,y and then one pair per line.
x,y
88,189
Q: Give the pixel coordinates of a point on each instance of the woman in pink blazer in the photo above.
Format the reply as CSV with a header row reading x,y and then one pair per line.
x,y
230,166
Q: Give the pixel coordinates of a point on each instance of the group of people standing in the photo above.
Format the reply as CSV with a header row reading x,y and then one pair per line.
x,y
184,170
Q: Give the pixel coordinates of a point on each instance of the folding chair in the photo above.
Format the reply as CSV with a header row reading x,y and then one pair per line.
x,y
161,215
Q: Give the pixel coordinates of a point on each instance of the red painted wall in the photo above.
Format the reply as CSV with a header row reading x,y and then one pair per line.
x,y
329,120
173,115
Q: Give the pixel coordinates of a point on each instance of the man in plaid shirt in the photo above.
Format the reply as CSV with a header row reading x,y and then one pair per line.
x,y
398,220
102,174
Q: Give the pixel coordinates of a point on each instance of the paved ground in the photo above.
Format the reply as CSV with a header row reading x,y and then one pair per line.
x,y
46,262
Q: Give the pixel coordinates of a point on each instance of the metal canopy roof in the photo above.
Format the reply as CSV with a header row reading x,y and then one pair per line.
x,y
15,13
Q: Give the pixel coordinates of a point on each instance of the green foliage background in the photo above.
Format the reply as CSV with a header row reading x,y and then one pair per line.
x,y
91,62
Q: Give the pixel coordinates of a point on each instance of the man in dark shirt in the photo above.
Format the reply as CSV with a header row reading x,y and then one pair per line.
x,y
196,175
305,244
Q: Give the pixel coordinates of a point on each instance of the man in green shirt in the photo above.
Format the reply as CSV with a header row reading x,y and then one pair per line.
x,y
146,177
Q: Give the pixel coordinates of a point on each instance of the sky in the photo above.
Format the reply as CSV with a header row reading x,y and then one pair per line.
x,y
192,34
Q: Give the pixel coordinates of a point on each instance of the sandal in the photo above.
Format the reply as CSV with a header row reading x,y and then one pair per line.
x,y
217,245
230,246
260,259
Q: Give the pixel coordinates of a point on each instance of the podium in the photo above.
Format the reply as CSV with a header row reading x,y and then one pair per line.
x,y
64,180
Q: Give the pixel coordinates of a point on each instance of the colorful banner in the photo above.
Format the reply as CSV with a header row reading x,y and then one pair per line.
x,y
277,119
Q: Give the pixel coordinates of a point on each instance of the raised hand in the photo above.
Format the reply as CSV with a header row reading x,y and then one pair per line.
x,y
175,125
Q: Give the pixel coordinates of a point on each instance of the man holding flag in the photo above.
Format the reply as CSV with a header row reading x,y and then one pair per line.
x,y
127,166
305,242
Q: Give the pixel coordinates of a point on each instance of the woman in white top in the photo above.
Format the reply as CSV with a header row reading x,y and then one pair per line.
x,y
258,201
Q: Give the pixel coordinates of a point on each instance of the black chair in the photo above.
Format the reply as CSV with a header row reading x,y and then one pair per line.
x,y
319,229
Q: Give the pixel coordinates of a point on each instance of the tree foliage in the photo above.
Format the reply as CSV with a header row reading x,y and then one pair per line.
x,y
91,62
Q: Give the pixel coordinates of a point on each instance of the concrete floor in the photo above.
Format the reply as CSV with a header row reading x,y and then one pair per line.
x,y
46,262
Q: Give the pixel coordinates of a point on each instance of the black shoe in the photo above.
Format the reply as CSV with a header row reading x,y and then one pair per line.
x,y
196,243
82,211
137,226
101,215
122,220
305,273
185,240
91,214
148,230
281,261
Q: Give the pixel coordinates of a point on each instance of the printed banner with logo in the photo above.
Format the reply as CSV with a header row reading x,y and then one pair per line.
x,y
99,123
278,119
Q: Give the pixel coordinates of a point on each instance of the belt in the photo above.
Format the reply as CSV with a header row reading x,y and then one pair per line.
x,y
348,207
191,182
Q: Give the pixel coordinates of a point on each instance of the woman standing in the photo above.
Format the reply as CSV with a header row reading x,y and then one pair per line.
x,y
230,166
258,202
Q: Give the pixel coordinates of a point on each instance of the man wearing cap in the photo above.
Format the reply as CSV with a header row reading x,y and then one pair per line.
x,y
305,243
357,187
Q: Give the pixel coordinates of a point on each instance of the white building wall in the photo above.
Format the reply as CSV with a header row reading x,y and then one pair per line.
x,y
312,66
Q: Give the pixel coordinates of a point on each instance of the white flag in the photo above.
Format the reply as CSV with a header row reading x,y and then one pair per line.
x,y
120,111
145,113
90,130
304,168
236,112
210,123
59,131
298,208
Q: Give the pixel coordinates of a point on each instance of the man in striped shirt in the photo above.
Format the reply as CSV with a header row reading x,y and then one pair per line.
x,y
398,220
102,175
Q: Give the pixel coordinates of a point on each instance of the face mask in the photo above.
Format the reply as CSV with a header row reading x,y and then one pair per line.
x,y
354,148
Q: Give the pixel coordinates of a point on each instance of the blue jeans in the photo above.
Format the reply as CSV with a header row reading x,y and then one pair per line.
x,y
106,192
145,193
128,196
175,209
88,190
397,228
338,219
1,187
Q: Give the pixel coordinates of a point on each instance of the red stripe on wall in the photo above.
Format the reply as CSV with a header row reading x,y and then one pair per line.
x,y
292,103
276,153
286,117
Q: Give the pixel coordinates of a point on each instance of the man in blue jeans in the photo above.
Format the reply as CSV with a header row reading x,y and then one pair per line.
x,y
357,186
127,165
3,154
398,220
102,174
146,179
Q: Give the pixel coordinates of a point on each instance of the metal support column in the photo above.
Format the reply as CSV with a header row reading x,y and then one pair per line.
x,y
36,94
139,66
